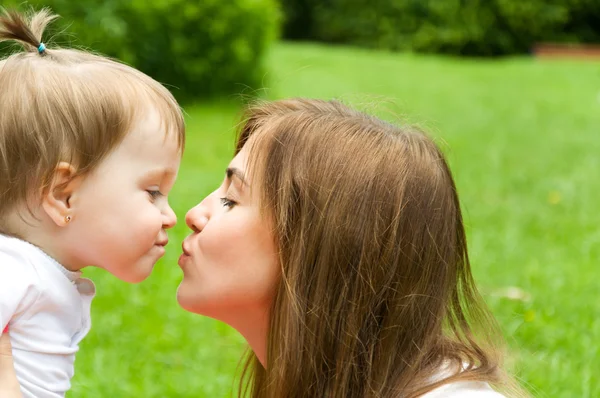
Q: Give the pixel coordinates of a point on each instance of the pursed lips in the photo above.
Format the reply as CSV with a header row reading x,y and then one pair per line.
x,y
185,251
163,242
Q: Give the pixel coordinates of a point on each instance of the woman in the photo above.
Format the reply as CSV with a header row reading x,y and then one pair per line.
x,y
336,247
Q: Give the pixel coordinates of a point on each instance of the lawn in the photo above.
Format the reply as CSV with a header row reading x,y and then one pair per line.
x,y
523,139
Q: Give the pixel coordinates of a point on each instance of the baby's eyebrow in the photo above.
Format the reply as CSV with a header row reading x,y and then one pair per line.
x,y
233,171
161,172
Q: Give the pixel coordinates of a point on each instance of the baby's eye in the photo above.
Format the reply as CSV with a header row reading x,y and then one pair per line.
x,y
154,194
228,202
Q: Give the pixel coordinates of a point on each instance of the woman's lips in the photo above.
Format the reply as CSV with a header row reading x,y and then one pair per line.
x,y
162,243
184,256
185,251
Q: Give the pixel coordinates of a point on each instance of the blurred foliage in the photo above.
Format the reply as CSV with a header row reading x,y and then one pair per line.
x,y
464,27
198,48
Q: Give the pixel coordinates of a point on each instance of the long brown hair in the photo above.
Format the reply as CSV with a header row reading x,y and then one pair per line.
x,y
376,297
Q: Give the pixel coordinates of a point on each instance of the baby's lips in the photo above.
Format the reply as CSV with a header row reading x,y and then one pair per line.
x,y
5,330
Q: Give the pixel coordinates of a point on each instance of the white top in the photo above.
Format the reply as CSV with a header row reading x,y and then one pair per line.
x,y
460,389
464,389
47,308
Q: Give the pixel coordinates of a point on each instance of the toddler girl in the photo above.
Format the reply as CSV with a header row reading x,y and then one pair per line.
x,y
89,150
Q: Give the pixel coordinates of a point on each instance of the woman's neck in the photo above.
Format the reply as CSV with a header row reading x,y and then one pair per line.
x,y
253,325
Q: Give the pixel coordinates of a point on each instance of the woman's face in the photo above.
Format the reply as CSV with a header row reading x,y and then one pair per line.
x,y
230,263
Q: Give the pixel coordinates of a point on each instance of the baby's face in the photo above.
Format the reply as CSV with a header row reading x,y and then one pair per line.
x,y
122,207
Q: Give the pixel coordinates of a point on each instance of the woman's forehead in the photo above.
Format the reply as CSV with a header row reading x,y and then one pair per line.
x,y
240,160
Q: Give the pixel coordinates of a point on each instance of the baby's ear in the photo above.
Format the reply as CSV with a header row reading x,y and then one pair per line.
x,y
56,199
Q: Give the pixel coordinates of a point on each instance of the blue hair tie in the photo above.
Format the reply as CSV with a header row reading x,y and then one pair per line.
x,y
41,48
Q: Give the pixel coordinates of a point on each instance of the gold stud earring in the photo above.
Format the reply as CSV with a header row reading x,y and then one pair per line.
x,y
67,219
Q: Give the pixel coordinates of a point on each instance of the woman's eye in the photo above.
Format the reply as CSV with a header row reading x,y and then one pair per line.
x,y
228,202
154,194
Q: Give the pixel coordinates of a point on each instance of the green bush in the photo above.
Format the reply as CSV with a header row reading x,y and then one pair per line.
x,y
467,27
299,21
198,48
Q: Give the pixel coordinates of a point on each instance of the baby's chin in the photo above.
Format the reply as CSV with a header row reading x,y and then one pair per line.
x,y
134,273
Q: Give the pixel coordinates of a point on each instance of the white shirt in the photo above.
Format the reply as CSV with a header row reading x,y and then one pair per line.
x,y
47,308
460,389
464,389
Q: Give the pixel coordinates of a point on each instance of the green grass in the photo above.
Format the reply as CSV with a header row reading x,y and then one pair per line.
x,y
523,140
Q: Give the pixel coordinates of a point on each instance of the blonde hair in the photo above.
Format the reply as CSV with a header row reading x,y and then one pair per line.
x,y
65,105
376,297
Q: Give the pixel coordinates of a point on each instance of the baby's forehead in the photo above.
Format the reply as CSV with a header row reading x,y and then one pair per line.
x,y
148,138
150,123
145,155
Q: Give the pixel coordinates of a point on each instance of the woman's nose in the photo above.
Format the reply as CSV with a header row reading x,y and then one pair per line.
x,y
197,217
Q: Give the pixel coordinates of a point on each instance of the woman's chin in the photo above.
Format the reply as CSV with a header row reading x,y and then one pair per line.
x,y
187,299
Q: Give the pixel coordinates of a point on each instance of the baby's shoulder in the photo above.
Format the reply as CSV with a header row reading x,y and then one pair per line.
x,y
20,284
16,263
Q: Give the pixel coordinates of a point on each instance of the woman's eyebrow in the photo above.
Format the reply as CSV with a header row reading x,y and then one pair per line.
x,y
232,171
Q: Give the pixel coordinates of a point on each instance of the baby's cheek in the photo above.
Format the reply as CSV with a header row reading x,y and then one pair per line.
x,y
147,230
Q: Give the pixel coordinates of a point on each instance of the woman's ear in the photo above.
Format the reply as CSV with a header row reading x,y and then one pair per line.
x,y
57,197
